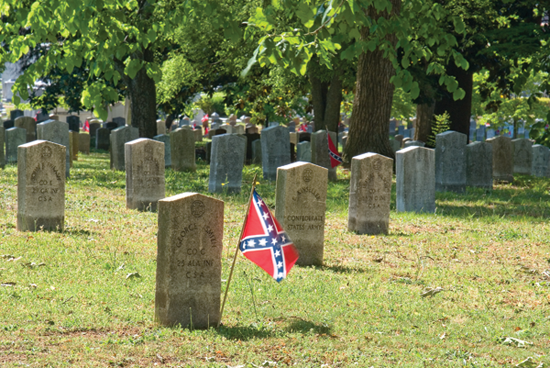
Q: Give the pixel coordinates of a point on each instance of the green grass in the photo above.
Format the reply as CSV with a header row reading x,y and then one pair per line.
x,y
67,301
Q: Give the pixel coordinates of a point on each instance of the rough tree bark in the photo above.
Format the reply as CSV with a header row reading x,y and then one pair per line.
x,y
459,111
423,124
143,93
326,99
369,124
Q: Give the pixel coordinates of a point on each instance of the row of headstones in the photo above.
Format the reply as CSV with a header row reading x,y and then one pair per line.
x,y
189,250
51,130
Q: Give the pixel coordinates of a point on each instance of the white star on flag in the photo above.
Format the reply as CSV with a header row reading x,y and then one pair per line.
x,y
251,243
277,253
263,242
283,238
280,265
270,228
273,241
265,215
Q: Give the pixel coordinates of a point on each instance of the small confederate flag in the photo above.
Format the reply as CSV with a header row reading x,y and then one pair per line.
x,y
86,126
265,243
335,158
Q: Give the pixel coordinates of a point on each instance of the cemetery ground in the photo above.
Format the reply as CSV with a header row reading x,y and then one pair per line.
x,y
85,296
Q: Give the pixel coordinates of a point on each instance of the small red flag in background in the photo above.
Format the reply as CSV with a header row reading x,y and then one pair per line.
x,y
335,158
264,241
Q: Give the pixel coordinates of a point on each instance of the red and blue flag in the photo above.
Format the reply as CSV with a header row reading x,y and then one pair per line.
x,y
264,241
335,158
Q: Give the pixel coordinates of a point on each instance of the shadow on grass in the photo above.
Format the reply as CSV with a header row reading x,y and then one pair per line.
x,y
340,269
79,232
245,333
304,326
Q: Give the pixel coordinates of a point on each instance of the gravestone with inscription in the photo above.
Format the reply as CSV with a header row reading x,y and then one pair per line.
x,y
415,180
370,194
41,186
226,163
84,143
74,123
74,140
450,162
540,162
57,132
164,138
479,165
182,146
319,151
189,250
503,159
102,139
119,137
300,208
2,141
303,151
29,125
523,156
275,150
14,138
257,151
144,174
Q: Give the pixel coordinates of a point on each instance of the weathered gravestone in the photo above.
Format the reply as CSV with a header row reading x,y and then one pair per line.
x,y
161,127
29,125
540,162
189,250
8,124
395,145
14,114
293,137
198,134
74,140
41,186
94,126
480,134
144,174
479,165
111,125
14,138
250,138
303,152
523,156
450,162
84,143
275,150
344,140
57,132
164,138
182,146
300,208
185,121
239,129
119,137
319,151
54,117
74,123
119,121
228,128
503,159
208,149
415,178
2,140
42,116
257,151
399,138
102,139
370,194
226,163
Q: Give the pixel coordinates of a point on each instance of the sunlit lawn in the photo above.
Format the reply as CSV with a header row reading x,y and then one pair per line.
x,y
66,300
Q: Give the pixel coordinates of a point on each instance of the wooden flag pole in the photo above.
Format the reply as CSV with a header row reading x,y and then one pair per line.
x,y
237,250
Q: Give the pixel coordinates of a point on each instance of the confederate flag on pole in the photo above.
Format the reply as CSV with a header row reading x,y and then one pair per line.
x,y
335,158
264,241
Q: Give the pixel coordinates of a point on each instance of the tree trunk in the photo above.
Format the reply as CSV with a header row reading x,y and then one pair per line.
x,y
143,93
423,124
369,124
326,99
459,111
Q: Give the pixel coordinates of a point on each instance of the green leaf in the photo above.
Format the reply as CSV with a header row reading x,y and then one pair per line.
x,y
459,94
251,61
305,13
132,68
